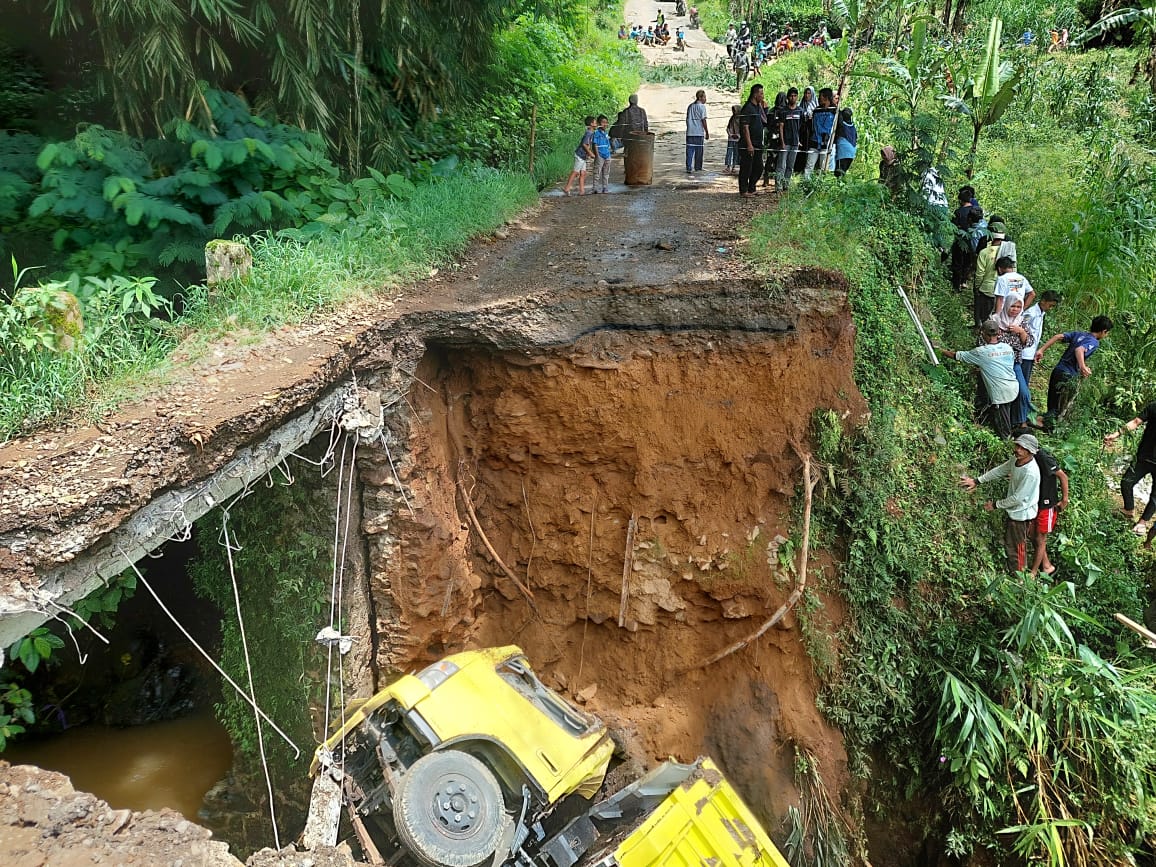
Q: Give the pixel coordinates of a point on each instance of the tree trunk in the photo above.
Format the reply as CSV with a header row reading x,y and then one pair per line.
x,y
974,148
958,22
947,14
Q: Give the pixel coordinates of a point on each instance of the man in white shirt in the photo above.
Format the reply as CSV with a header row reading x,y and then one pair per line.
x,y
1022,501
697,133
1010,280
996,363
1033,323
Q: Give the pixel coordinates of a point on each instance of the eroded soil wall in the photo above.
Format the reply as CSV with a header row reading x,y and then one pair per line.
x,y
694,435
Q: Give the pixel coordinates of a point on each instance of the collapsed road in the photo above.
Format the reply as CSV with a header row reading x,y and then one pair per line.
x,y
606,405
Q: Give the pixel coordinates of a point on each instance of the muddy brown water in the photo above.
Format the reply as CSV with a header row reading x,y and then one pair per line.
x,y
168,764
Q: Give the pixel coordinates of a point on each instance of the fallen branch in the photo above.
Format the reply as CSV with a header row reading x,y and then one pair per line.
x,y
801,581
526,592
627,566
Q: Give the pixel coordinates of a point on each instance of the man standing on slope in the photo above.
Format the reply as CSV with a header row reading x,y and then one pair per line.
x,y
996,363
697,134
1022,501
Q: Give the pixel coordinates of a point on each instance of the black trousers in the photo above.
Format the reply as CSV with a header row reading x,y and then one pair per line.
x,y
984,306
1135,473
750,169
1061,390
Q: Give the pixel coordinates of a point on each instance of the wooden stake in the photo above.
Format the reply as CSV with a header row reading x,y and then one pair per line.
x,y
1139,630
627,566
533,131
526,592
801,580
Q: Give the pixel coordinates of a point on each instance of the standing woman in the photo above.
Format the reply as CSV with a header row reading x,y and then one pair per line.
x,y
1014,334
808,104
846,143
732,158
774,140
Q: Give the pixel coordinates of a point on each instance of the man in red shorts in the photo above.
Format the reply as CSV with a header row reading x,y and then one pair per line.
x,y
1050,472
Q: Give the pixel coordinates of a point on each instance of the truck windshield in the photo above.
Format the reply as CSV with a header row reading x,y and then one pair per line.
x,y
516,671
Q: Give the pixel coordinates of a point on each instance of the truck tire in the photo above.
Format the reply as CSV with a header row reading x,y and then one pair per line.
x,y
449,809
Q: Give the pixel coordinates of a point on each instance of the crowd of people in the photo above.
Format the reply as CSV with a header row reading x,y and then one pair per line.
x,y
743,45
793,135
1009,316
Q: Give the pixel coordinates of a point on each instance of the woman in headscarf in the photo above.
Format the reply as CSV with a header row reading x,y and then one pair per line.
x,y
774,143
1014,334
808,104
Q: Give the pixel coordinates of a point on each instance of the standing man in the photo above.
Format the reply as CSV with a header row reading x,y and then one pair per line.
x,y
730,39
697,134
752,127
822,133
742,61
1010,280
996,363
1033,323
1074,365
790,121
1021,502
630,119
602,154
1144,465
1049,508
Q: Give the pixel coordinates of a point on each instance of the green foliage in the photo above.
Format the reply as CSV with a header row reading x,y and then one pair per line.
x,y
17,710
48,360
1041,729
1012,676
281,559
1035,15
35,647
101,605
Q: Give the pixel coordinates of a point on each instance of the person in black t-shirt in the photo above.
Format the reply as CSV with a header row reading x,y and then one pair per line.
x,y
790,121
774,143
1050,473
752,126
1144,465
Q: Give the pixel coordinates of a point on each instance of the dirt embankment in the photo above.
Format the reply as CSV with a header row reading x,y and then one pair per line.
x,y
691,435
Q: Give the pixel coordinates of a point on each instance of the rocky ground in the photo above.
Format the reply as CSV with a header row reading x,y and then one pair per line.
x,y
44,822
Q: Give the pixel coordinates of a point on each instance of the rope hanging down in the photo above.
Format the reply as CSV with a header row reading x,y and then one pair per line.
x,y
230,547
144,582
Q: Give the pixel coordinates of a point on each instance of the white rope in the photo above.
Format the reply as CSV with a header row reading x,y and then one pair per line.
x,y
229,548
333,586
341,587
210,659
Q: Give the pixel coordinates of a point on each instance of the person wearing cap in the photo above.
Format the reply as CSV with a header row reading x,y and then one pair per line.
x,y
996,363
983,283
1007,247
1021,505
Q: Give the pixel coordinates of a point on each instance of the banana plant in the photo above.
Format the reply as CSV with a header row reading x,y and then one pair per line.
x,y
1143,24
910,73
854,17
982,89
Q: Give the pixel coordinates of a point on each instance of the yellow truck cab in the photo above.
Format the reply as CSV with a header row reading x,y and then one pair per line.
x,y
474,761
461,759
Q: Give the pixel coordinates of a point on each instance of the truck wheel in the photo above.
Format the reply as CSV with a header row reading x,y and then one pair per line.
x,y
449,810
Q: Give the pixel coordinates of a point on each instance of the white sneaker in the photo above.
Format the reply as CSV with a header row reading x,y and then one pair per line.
x,y
1140,529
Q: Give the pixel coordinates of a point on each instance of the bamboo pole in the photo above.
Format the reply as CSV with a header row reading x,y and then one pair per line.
x,y
533,133
918,326
627,566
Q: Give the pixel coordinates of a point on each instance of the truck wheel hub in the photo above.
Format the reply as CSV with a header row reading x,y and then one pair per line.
x,y
456,805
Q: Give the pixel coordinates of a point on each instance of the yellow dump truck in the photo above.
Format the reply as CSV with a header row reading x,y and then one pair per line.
x,y
475,761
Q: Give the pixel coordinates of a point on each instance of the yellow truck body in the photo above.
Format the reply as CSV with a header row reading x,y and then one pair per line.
x,y
703,821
